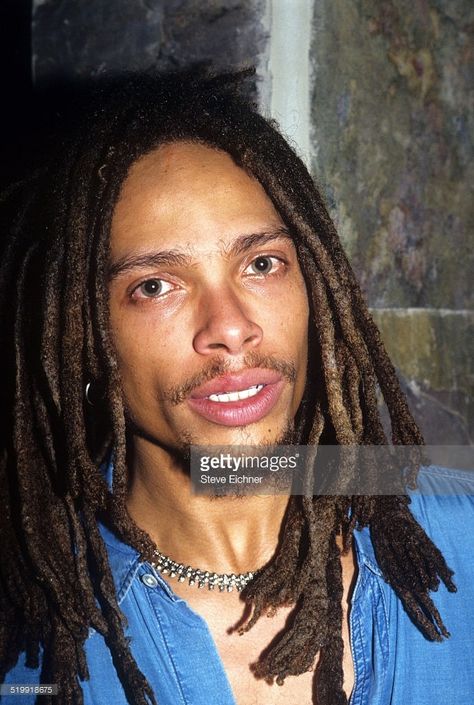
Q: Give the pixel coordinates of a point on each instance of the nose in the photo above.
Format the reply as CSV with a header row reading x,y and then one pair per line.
x,y
225,325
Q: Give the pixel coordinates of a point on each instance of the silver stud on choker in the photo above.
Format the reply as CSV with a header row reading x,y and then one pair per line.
x,y
223,581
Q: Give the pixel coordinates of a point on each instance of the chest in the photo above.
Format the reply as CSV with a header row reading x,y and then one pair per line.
x,y
239,652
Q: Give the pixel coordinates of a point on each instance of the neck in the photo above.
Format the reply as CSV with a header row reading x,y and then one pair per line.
x,y
221,534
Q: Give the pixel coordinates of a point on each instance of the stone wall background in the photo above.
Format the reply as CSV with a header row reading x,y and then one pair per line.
x,y
392,128
77,38
393,135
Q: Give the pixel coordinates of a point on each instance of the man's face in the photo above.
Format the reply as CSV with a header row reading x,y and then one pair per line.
x,y
208,306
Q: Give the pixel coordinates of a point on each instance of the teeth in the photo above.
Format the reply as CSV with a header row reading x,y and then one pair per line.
x,y
237,396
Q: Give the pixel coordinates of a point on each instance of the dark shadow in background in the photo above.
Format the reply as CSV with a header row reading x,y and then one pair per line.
x,y
31,118
17,119
77,48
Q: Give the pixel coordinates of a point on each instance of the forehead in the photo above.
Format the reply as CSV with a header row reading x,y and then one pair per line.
x,y
188,194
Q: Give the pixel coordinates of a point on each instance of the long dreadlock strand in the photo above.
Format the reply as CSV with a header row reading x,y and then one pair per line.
x,y
328,685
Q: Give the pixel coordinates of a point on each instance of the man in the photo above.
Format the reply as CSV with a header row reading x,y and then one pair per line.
x,y
173,279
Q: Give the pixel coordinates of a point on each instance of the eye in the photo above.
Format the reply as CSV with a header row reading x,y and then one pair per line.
x,y
152,288
264,264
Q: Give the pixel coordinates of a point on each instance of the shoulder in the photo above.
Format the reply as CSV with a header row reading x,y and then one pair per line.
x,y
434,479
443,504
443,496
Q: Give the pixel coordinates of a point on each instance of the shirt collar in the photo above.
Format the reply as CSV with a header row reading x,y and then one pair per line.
x,y
124,560
365,550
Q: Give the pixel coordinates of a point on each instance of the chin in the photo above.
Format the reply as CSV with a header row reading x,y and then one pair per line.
x,y
261,434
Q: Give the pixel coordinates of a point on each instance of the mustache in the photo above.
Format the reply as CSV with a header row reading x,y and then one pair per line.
x,y
220,366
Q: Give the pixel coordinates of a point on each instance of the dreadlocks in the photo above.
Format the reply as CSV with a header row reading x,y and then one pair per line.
x,y
56,338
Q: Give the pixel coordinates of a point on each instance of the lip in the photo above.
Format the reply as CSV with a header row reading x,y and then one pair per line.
x,y
236,382
244,411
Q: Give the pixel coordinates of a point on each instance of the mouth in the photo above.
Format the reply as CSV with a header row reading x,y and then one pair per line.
x,y
238,399
237,396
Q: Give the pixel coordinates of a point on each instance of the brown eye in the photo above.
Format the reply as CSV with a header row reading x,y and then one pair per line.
x,y
262,265
152,287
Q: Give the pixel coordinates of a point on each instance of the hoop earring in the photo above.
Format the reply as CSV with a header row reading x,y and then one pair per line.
x,y
87,394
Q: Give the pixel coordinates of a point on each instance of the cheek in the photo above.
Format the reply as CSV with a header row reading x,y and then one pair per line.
x,y
146,357
296,317
147,367
297,331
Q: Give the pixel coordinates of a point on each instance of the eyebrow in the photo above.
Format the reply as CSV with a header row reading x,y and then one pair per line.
x,y
178,258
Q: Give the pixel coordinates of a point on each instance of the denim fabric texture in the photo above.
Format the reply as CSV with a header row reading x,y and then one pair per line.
x,y
394,663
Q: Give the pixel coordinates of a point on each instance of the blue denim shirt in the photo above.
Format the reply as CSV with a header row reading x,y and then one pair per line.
x,y
394,663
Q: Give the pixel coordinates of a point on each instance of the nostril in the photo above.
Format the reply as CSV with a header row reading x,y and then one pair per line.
x,y
226,327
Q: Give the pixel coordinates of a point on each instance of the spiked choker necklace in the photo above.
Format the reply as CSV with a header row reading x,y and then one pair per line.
x,y
224,582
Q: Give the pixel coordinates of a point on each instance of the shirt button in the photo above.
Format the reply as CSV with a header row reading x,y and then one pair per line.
x,y
149,580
